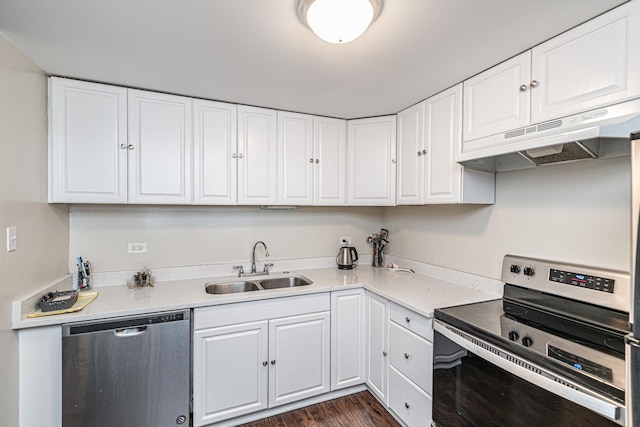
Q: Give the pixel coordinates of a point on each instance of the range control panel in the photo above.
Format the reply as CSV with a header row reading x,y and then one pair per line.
x,y
600,286
582,280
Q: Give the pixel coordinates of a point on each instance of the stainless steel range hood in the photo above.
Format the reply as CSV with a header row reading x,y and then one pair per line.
x,y
597,134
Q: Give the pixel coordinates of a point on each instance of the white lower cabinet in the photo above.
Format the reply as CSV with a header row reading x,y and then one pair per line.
x,y
408,401
377,345
347,338
258,355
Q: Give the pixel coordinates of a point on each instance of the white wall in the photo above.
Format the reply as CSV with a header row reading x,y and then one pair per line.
x,y
195,235
576,213
43,230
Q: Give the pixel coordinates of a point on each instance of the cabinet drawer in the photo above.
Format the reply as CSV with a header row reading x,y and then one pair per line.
x,y
230,314
408,402
412,321
411,355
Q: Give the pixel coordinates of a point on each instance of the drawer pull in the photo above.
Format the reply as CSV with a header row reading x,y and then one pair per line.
x,y
273,362
406,405
408,319
384,353
265,363
407,355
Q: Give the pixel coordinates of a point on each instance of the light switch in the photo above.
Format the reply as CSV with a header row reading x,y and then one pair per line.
x,y
12,239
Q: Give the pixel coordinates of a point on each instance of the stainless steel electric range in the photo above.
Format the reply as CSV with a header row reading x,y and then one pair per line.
x,y
551,352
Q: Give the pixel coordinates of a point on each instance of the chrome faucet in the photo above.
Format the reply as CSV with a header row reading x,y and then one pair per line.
x,y
253,272
253,257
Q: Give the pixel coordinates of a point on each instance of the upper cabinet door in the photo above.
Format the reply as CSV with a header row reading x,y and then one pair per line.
x,y
88,142
160,157
443,138
372,161
411,156
295,158
498,99
257,156
215,153
591,65
330,161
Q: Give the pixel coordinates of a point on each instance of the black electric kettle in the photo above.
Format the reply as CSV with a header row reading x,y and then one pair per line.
x,y
347,258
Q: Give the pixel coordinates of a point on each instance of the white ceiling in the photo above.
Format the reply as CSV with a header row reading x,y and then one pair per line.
x,y
257,52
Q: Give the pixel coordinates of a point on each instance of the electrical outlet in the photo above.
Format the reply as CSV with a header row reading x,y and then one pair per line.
x,y
137,248
345,240
12,239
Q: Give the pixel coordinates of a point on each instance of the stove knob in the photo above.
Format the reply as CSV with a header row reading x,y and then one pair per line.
x,y
515,268
513,336
527,342
529,271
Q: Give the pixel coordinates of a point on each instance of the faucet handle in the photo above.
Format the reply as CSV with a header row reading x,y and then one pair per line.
x,y
239,267
267,265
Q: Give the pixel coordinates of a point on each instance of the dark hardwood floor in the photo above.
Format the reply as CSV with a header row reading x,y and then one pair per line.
x,y
356,410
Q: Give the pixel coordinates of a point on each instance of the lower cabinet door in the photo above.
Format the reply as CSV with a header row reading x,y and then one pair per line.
x,y
299,355
230,371
408,401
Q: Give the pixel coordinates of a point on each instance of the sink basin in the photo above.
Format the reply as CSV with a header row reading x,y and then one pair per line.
x,y
285,282
231,287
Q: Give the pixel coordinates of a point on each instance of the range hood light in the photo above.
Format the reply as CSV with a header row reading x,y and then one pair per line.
x,y
545,151
338,21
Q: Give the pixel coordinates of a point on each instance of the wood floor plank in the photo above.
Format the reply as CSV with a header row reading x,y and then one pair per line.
x,y
356,410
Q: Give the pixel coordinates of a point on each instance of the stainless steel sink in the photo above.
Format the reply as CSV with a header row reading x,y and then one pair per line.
x,y
285,282
231,287
256,285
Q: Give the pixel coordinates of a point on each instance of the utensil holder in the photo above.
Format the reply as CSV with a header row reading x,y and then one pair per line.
x,y
84,281
377,260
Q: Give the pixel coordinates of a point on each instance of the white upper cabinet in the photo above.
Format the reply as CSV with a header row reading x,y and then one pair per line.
x,y
87,142
411,149
160,144
589,66
215,154
295,158
257,156
429,137
330,161
372,161
498,99
594,64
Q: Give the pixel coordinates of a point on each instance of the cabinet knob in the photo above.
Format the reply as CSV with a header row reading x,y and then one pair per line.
x,y
406,405
240,156
310,160
424,152
234,156
317,161
523,88
407,319
273,362
419,153
384,353
130,147
393,161
407,355
123,146
265,363
533,83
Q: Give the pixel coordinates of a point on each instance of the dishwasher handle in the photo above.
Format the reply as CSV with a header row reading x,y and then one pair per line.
x,y
130,332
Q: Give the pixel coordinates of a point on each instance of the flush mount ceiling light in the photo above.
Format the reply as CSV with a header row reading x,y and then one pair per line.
x,y
338,21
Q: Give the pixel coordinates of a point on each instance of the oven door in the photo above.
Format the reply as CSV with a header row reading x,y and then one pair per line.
x,y
478,384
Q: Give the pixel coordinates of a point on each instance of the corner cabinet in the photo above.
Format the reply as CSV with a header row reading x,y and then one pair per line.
x,y
87,142
589,66
257,355
371,162
429,137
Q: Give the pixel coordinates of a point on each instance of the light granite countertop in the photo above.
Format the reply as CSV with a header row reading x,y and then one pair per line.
x,y
418,292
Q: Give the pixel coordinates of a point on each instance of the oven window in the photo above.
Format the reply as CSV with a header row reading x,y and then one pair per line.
x,y
477,393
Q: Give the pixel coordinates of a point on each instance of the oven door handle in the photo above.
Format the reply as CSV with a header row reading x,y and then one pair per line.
x,y
534,374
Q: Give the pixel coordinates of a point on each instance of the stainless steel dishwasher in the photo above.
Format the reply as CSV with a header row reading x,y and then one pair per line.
x,y
128,371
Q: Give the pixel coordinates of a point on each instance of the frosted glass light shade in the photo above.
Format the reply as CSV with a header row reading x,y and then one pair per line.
x,y
338,21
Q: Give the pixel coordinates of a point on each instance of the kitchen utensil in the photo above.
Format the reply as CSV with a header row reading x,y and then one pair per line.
x,y
347,257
